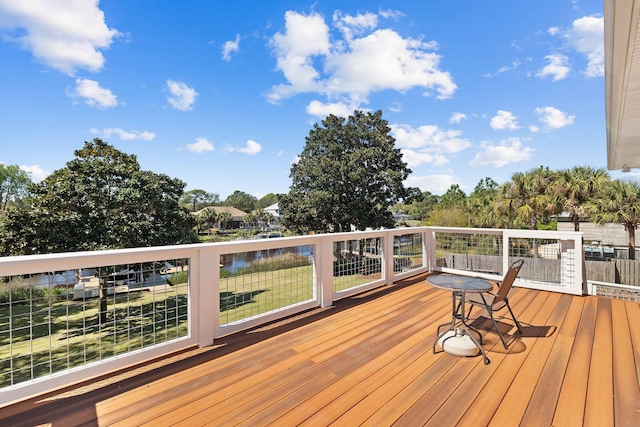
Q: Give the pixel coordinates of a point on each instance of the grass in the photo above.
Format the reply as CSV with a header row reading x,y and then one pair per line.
x,y
51,333
50,336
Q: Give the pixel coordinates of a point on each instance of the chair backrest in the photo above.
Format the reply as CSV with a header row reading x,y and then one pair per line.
x,y
508,280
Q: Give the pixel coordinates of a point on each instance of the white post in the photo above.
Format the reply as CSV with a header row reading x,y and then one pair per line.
x,y
323,270
387,257
206,290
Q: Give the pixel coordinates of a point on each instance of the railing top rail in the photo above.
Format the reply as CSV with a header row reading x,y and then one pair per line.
x,y
465,230
551,234
28,264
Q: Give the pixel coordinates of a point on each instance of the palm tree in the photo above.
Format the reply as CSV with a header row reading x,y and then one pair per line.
x,y
481,204
526,196
224,218
618,202
209,216
575,187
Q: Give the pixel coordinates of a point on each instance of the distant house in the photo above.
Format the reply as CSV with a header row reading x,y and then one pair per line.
x,y
237,216
273,210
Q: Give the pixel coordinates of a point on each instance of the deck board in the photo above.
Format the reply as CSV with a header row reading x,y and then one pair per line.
x,y
626,392
599,411
368,361
542,404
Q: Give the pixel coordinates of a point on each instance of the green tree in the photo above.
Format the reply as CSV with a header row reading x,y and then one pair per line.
x,y
618,202
481,203
14,185
198,199
575,186
420,209
266,201
208,217
453,216
526,196
224,218
348,174
99,200
241,200
413,194
454,196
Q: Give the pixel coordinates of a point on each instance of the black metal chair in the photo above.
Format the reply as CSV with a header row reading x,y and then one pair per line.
x,y
495,301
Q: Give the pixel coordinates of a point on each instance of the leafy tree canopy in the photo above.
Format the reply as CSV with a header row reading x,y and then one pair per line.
x,y
241,200
266,201
618,202
99,200
14,185
453,197
198,199
420,208
349,173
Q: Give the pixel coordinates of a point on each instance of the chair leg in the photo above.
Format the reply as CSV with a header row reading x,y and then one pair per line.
x,y
495,325
514,317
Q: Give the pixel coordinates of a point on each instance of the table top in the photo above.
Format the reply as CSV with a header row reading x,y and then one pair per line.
x,y
457,283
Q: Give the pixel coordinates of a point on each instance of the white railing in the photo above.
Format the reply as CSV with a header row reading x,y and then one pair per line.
x,y
155,301
553,260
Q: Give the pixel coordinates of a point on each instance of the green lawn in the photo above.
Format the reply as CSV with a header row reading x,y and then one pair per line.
x,y
50,335
54,336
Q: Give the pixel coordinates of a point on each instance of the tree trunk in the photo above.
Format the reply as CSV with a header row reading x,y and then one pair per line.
x,y
631,234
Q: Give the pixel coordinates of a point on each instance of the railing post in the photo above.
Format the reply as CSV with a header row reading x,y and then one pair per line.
x,y
429,249
387,257
323,271
506,237
207,287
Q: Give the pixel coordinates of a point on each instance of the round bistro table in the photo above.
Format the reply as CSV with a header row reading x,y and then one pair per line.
x,y
458,329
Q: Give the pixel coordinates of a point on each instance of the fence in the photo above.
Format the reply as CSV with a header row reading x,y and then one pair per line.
x,y
69,317
620,271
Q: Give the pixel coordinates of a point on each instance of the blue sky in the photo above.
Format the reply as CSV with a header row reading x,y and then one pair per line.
x,y
223,94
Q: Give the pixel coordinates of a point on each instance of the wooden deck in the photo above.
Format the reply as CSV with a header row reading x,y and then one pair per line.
x,y
368,361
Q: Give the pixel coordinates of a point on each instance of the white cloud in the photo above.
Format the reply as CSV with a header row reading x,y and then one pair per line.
x,y
125,135
505,152
181,96
435,184
201,145
361,62
391,14
515,64
586,36
229,47
65,34
557,67
427,144
554,118
93,94
504,120
396,107
354,25
415,158
304,38
321,110
251,148
36,173
457,117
